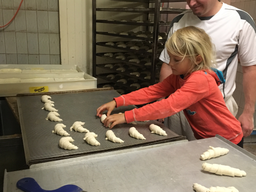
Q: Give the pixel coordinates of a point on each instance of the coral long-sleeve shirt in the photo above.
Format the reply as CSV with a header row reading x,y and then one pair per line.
x,y
197,95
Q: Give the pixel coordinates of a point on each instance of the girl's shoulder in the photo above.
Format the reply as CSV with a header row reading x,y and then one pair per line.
x,y
215,76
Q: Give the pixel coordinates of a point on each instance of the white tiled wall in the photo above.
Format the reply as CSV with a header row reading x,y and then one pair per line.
x,y
33,36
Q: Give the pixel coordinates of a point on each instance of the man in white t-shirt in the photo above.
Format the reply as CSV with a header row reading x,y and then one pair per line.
x,y
233,32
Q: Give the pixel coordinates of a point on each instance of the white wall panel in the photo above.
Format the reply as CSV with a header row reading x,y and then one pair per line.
x,y
75,33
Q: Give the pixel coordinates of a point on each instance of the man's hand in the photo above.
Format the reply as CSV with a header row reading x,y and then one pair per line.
x,y
247,123
249,86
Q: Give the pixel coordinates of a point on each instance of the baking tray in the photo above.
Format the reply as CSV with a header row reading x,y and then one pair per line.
x,y
41,145
172,166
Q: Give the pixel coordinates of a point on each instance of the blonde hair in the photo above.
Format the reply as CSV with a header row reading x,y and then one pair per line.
x,y
190,42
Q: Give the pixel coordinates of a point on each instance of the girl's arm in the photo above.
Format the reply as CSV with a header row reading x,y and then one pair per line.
x,y
148,94
195,88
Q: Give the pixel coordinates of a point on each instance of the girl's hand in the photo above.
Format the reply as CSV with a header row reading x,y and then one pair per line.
x,y
107,106
114,119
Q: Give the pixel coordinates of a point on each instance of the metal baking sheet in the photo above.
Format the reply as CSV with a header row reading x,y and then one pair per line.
x,y
172,166
41,145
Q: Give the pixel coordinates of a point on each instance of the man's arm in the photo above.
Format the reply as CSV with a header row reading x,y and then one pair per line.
x,y
165,71
249,86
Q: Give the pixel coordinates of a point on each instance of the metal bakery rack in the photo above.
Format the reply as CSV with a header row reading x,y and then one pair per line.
x,y
129,34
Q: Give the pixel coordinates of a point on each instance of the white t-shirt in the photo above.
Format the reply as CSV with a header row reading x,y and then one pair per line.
x,y
232,31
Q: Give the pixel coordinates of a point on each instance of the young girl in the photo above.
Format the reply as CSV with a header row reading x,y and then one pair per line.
x,y
192,87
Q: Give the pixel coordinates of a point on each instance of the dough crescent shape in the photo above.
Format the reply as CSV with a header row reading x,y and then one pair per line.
x,y
90,138
213,152
65,143
219,169
135,134
200,188
77,126
46,99
53,116
110,135
59,130
49,107
157,130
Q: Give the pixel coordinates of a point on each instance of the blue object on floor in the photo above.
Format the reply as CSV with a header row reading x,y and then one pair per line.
x,y
29,184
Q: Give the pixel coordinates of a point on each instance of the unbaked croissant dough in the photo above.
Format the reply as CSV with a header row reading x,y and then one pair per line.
x,y
53,116
78,126
110,135
135,134
65,143
199,188
90,138
213,152
223,170
46,99
157,130
58,129
103,117
49,107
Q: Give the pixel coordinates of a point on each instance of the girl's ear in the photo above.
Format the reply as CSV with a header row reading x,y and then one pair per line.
x,y
199,59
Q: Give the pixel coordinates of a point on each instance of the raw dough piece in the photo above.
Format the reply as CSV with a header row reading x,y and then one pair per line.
x,y
59,129
110,43
110,66
49,107
142,35
108,54
110,135
223,170
53,116
46,99
134,60
135,134
122,45
124,81
90,138
199,188
214,152
120,57
135,47
157,130
222,189
123,33
78,126
103,117
65,143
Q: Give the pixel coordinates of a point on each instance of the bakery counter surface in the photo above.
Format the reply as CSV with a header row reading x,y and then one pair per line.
x,y
172,166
